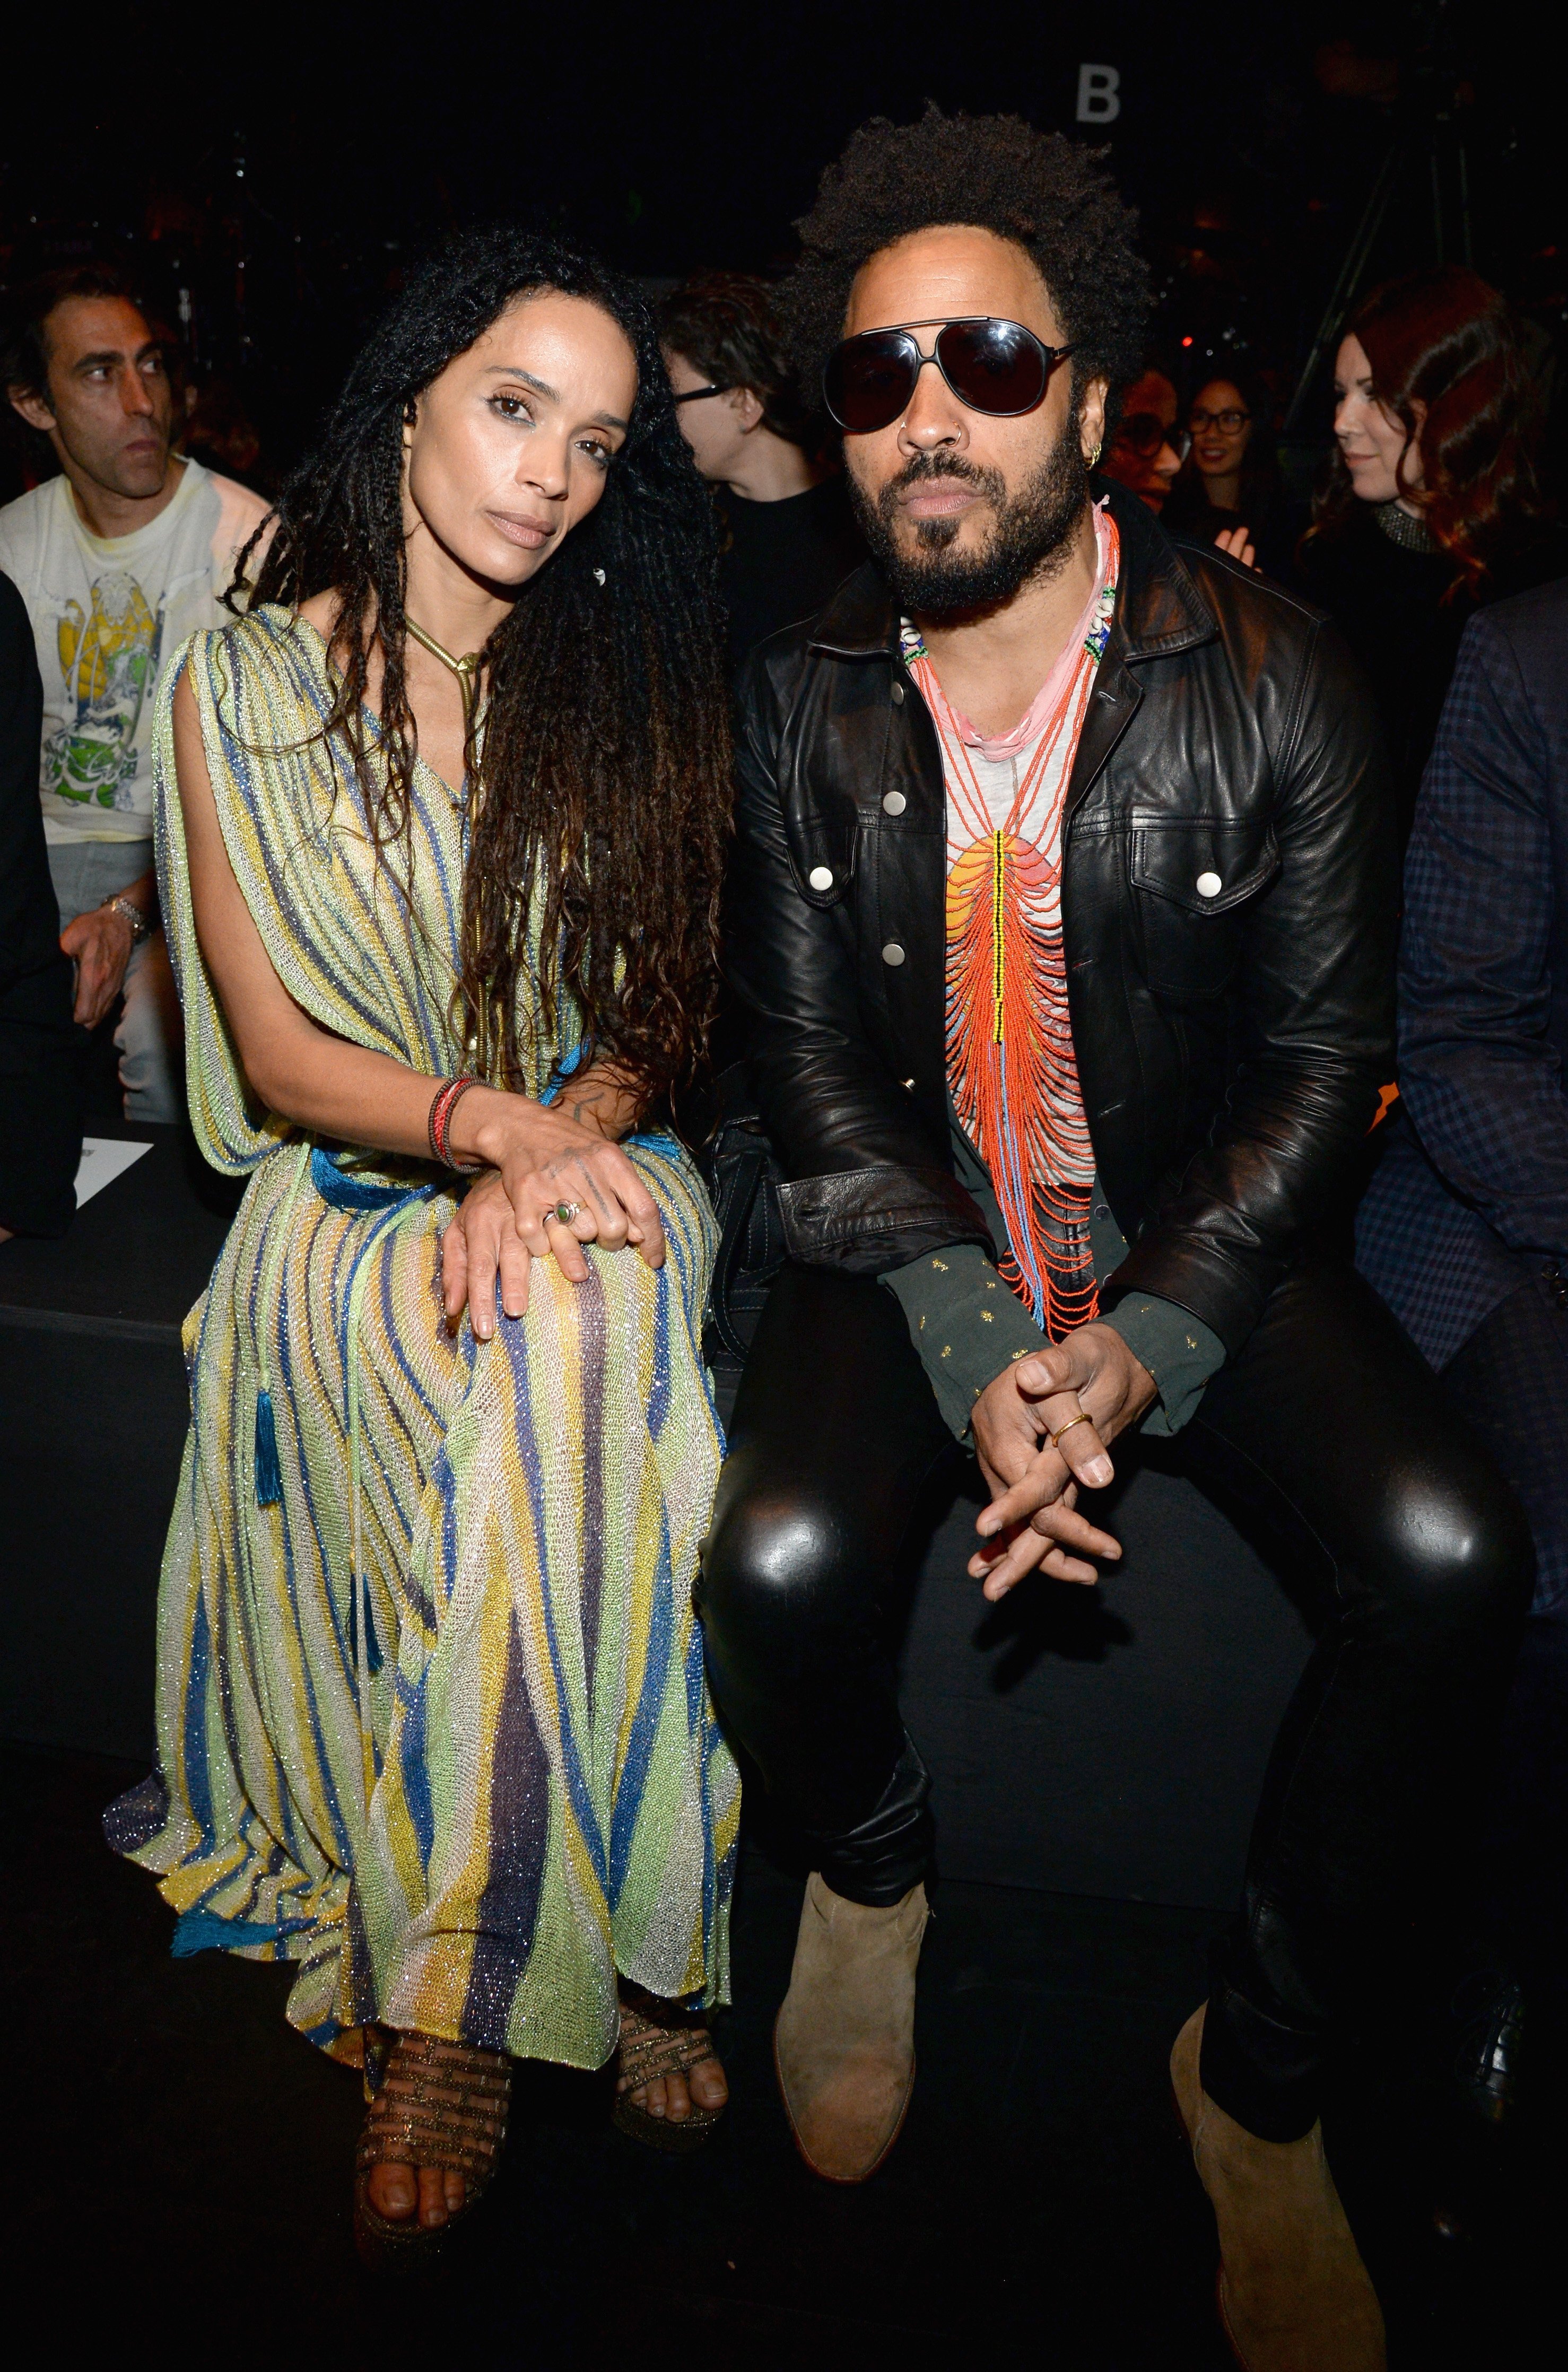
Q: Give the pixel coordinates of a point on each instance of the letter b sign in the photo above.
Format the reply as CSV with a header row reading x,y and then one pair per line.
x,y
1098,100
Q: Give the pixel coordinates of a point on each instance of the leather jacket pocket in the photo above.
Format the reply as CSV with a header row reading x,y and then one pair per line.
x,y
1193,881
822,858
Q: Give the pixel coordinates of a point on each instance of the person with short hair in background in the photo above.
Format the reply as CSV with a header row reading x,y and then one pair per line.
x,y
1142,452
220,433
41,1118
1430,510
118,558
788,538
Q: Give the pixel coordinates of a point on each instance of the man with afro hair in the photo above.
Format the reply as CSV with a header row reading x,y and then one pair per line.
x,y
1062,912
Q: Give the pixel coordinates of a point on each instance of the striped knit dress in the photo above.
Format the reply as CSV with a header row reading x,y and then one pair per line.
x,y
431,1714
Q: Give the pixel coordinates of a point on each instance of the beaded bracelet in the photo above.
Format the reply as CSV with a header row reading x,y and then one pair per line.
x,y
439,1129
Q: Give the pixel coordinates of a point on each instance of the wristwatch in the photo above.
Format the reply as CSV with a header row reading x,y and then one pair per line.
x,y
141,927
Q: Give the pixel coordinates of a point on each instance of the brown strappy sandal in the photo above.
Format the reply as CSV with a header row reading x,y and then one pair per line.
x,y
438,2104
657,2038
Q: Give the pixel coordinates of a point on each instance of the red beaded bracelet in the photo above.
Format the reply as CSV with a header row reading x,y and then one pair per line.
x,y
447,1098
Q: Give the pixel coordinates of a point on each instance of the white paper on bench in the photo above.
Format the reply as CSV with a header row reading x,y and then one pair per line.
x,y
103,1159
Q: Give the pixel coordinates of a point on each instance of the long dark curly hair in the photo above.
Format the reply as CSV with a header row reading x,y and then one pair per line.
x,y
1445,338
599,784
997,173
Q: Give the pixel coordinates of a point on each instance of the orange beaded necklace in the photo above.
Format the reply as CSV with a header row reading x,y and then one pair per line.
x,y
1011,1066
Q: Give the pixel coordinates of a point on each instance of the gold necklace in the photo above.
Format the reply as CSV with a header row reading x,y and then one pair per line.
x,y
466,669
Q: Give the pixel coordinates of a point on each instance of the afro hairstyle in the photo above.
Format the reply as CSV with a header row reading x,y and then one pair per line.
x,y
997,173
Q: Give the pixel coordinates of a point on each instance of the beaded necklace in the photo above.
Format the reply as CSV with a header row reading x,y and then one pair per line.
x,y
1011,1066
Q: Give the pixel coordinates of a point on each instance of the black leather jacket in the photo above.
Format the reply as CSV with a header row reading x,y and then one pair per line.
x,y
1230,1045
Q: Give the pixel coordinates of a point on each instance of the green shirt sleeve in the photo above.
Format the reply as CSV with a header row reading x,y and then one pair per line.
x,y
1177,1349
968,1325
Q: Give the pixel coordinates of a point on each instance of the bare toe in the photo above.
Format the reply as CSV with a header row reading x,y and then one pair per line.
x,y
432,2195
710,2087
393,2192
456,2189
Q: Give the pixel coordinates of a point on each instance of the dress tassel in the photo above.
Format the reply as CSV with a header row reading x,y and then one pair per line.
x,y
269,1481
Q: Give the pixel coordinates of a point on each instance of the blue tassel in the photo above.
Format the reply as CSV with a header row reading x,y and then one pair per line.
x,y
205,1931
269,1482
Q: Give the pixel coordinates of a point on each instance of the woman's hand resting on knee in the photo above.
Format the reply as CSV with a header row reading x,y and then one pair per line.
x,y
542,1159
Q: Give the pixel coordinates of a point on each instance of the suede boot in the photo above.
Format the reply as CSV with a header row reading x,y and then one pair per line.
x,y
1294,2294
844,2041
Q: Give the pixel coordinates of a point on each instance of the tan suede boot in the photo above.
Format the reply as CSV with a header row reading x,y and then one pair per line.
x,y
1294,2293
844,2041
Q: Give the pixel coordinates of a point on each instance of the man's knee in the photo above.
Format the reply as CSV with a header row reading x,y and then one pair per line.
x,y
779,1567
1453,1550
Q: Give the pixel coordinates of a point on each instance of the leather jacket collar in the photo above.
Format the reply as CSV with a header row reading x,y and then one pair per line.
x,y
1229,901
1159,609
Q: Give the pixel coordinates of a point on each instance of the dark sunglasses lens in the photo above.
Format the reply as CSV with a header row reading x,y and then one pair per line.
x,y
995,367
867,381
1146,432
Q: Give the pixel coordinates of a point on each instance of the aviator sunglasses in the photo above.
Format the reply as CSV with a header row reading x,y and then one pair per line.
x,y
994,366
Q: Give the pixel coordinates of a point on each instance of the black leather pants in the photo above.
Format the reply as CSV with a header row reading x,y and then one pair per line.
x,y
1331,1426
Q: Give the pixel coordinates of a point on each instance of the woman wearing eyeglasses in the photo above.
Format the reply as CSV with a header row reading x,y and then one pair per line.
x,y
1228,481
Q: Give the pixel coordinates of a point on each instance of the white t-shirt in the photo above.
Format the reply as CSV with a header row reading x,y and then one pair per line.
x,y
105,615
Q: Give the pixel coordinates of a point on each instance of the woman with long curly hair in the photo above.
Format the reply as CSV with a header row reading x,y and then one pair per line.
x,y
1430,507
442,819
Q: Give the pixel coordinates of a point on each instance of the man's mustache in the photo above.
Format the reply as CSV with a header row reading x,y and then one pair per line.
x,y
927,469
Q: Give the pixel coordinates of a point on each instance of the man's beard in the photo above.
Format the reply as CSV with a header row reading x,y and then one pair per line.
x,y
1031,535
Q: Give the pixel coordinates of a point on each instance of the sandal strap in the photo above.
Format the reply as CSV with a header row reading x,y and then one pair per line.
x,y
649,2050
440,2104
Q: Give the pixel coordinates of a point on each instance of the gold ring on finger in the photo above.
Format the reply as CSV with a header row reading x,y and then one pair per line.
x,y
565,1212
1082,1417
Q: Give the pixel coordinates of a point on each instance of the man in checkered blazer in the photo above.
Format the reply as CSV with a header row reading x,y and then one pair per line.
x,y
1465,1229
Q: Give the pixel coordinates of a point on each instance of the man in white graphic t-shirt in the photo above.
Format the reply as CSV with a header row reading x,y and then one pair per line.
x,y
127,550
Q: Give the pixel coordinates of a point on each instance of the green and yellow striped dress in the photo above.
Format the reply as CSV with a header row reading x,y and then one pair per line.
x,y
432,1720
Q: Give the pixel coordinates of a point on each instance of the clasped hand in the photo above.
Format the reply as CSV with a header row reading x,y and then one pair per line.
x,y
540,1159
1033,1518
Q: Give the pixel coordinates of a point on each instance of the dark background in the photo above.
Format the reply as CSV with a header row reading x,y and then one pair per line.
x,y
269,174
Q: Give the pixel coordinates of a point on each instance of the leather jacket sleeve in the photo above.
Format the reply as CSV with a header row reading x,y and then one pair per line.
x,y
868,1185
1312,1018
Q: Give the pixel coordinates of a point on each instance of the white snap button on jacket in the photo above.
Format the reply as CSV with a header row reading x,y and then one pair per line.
x,y
892,953
821,877
894,803
1209,884
897,695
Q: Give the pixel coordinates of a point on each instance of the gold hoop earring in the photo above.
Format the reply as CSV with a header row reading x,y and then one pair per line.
x,y
1094,457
